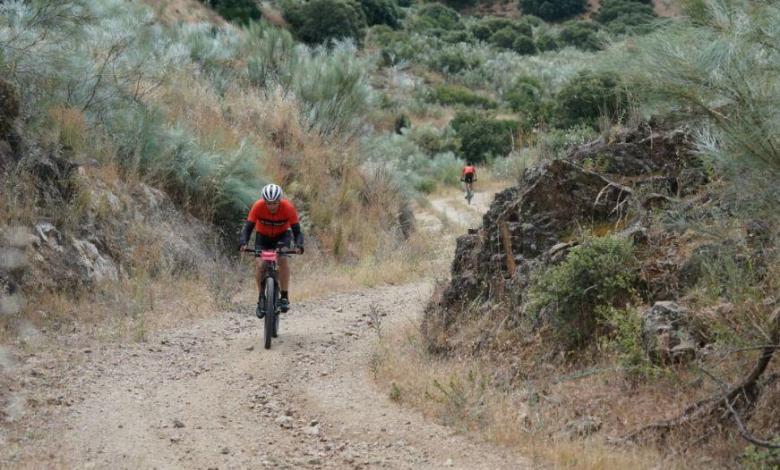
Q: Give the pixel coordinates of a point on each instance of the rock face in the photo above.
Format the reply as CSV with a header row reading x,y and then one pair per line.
x,y
666,335
532,224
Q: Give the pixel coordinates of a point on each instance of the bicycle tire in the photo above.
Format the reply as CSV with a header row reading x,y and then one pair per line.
x,y
275,332
269,306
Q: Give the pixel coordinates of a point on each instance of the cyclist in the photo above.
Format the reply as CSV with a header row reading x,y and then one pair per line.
x,y
275,220
469,175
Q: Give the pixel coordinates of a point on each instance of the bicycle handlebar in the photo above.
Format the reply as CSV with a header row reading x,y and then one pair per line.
x,y
281,252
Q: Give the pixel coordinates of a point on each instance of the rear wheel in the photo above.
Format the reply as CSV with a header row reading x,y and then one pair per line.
x,y
269,305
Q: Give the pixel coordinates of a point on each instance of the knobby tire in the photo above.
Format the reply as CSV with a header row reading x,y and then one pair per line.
x,y
269,304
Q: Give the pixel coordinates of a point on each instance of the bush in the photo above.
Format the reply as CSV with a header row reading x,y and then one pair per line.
x,y
586,97
552,10
626,16
320,21
240,11
384,12
525,98
460,4
524,45
572,296
454,59
434,141
455,94
455,37
490,25
581,34
547,42
437,16
483,137
503,38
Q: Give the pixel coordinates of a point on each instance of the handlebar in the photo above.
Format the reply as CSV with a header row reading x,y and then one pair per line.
x,y
279,251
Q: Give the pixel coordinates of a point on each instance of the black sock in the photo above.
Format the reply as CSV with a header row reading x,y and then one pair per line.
x,y
284,295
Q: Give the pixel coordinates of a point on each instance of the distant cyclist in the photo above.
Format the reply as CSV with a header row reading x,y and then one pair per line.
x,y
276,222
468,176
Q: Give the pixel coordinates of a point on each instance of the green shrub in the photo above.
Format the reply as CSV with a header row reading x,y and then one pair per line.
x,y
240,11
437,16
488,26
460,4
401,122
626,16
525,98
587,96
552,10
572,295
320,21
483,137
454,37
456,94
503,38
524,45
382,12
581,34
454,59
434,141
547,41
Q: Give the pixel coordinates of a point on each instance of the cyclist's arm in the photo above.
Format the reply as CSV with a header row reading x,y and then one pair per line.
x,y
297,233
246,232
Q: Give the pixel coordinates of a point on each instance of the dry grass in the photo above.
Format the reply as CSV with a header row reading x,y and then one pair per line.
x,y
186,11
465,394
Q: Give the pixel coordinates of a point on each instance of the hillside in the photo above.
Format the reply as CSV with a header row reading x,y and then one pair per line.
x,y
608,299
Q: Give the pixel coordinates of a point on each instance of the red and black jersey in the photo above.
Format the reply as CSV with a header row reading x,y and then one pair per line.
x,y
273,224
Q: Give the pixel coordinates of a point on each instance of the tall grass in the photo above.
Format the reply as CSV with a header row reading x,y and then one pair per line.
x,y
719,71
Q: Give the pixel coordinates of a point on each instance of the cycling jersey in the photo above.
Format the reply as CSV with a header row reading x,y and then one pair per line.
x,y
469,170
269,224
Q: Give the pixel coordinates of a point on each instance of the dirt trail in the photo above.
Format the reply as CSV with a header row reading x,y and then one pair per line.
x,y
209,396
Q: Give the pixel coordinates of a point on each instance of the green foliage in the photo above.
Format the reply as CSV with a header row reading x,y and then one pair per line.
x,y
384,12
719,70
524,45
571,296
503,38
460,4
434,141
488,26
553,10
437,16
761,458
525,98
240,11
330,83
454,37
586,97
454,59
320,21
547,41
581,34
625,338
401,122
483,137
456,94
626,16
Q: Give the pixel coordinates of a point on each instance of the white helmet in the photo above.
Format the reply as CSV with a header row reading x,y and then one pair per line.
x,y
272,192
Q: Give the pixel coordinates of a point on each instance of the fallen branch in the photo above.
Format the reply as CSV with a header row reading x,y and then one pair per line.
x,y
747,389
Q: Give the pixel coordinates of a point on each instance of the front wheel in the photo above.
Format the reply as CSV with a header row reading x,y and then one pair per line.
x,y
269,305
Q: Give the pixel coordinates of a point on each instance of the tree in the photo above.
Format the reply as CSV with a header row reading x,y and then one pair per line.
x,y
382,12
320,21
552,10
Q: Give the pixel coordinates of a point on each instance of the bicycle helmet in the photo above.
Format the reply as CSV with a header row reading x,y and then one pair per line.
x,y
272,192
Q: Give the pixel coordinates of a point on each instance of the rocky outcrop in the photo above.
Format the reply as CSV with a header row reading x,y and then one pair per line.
x,y
666,333
597,188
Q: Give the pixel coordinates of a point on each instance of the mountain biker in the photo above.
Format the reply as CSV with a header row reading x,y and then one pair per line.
x,y
275,220
469,175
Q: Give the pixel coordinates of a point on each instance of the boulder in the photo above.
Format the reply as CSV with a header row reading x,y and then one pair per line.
x,y
666,334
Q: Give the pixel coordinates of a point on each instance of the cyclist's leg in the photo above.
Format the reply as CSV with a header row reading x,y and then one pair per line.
x,y
284,266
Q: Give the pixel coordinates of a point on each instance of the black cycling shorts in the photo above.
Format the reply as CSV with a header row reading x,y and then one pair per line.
x,y
468,177
263,242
